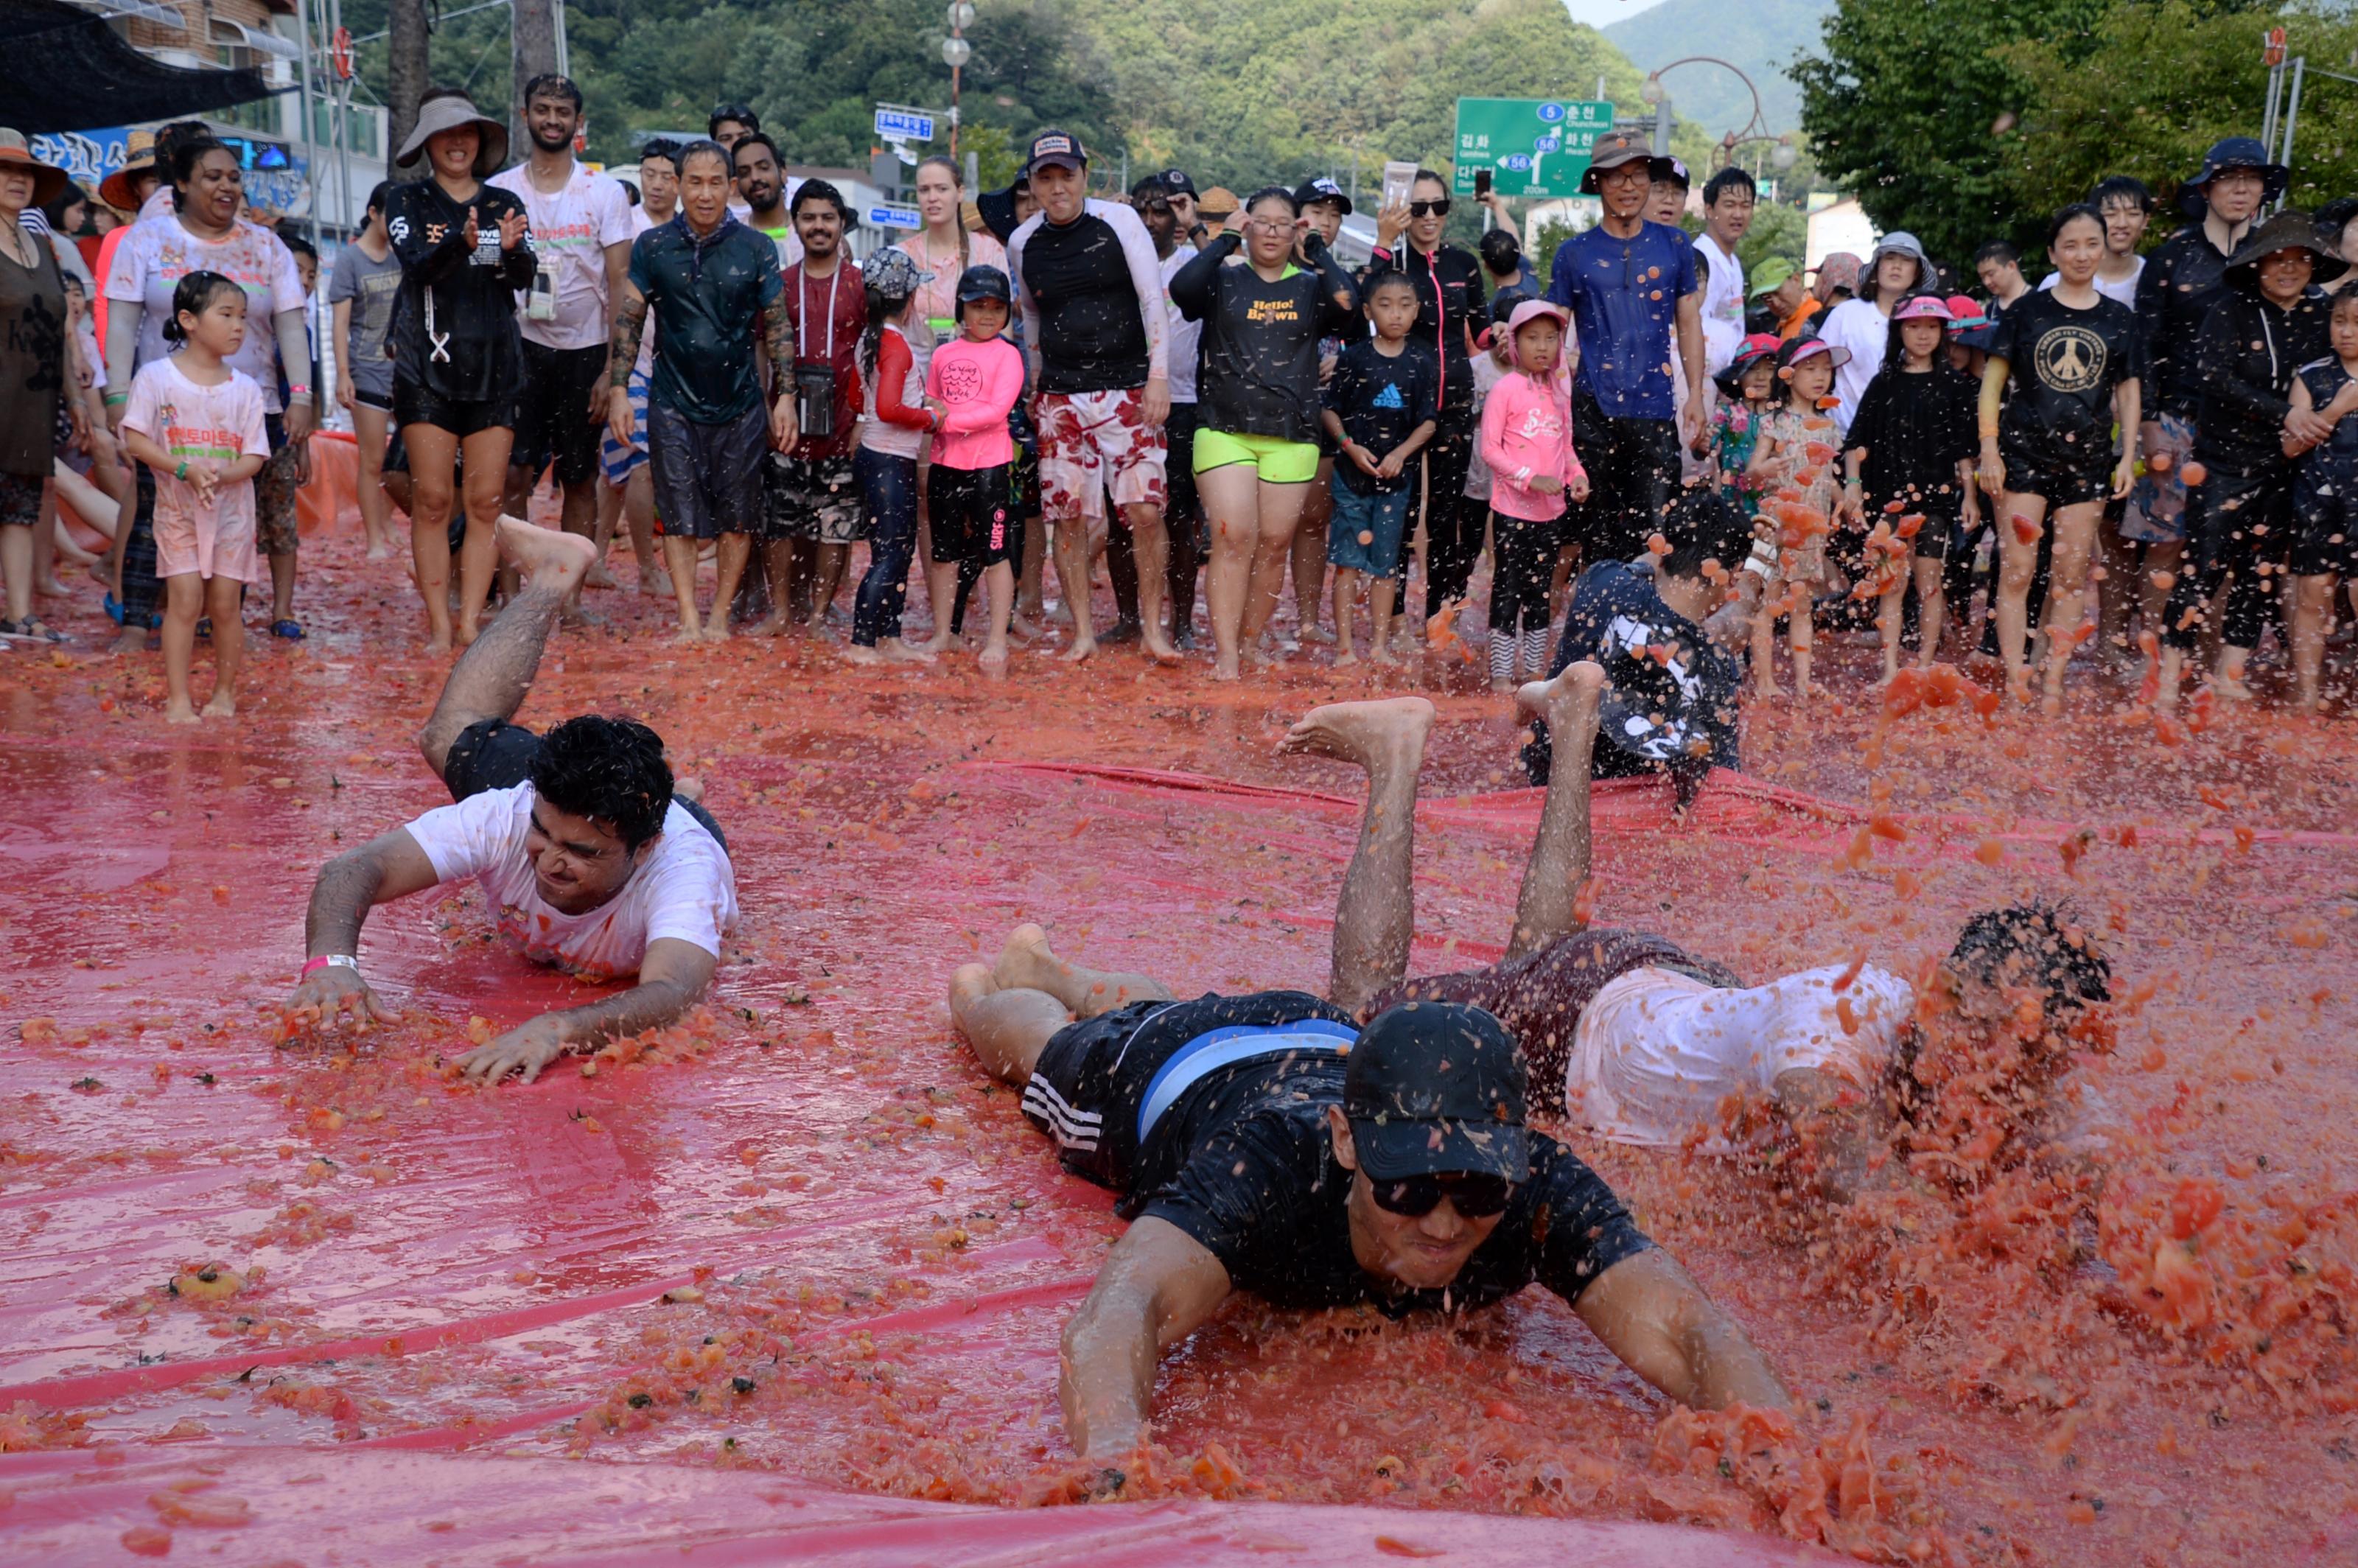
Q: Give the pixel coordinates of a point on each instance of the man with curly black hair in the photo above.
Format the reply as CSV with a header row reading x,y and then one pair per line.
x,y
588,859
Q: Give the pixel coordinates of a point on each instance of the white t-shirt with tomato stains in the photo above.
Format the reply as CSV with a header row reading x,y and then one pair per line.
x,y
1656,1052
683,887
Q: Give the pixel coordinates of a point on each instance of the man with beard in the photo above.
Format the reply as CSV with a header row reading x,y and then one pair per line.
x,y
762,184
581,232
813,499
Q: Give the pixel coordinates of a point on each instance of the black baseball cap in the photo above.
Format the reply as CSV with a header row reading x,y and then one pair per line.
x,y
1434,1087
1321,189
1059,150
1176,181
983,283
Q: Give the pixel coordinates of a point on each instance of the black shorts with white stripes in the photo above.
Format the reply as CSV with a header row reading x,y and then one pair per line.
x,y
1092,1076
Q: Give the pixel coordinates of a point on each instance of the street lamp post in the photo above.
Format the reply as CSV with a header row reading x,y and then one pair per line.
x,y
955,52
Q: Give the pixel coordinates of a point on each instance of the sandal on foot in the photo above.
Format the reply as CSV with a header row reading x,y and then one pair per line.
x,y
31,628
291,630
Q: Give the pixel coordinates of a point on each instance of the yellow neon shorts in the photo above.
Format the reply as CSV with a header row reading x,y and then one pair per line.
x,y
1280,462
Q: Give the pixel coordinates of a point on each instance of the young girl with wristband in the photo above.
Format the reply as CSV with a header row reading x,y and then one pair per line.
x,y
198,422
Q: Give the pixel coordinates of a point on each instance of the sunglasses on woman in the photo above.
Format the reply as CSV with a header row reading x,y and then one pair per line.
x,y
1429,209
1474,1196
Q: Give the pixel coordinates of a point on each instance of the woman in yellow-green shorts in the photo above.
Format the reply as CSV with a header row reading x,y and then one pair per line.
x,y
1256,408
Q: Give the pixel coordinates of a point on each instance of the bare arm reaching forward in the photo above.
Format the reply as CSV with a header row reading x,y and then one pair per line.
x,y
1157,1287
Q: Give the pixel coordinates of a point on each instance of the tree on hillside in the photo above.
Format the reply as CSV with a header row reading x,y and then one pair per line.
x,y
2160,84
1962,120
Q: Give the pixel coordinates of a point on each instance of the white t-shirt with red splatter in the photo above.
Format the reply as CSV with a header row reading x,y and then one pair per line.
x,y
683,887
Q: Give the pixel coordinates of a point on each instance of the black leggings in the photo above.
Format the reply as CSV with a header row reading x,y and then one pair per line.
x,y
1518,590
2238,523
1453,543
1447,514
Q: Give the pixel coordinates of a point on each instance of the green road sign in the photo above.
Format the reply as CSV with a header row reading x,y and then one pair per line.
x,y
1532,147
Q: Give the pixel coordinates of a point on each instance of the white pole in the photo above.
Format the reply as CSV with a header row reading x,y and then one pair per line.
x,y
564,55
343,122
2292,119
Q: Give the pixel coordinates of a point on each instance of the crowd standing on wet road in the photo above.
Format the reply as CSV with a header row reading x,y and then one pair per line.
x,y
2138,465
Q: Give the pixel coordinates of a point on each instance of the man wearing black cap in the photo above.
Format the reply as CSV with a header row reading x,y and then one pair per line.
x,y
2181,281
1265,1142
1093,319
1630,283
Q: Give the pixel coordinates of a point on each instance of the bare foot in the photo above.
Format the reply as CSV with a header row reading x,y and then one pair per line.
x,y
687,637
1381,654
716,630
1024,628
863,654
1346,658
130,640
777,623
938,643
1158,646
544,555
1767,691
1085,649
1501,684
1224,669
993,655
655,584
1027,962
902,653
1569,702
599,577
1363,732
223,706
969,983
438,642
380,551
179,712
466,633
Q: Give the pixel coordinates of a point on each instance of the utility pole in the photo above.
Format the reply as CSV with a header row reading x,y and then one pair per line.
x,y
533,32
404,72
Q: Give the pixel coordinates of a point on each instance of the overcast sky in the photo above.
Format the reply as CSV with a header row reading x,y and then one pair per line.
x,y
1603,13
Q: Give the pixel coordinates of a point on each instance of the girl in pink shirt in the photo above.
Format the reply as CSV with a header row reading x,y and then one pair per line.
x,y
198,423
975,378
1526,444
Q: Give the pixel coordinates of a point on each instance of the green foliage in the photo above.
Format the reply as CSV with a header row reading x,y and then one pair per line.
x,y
2156,85
1965,121
1903,105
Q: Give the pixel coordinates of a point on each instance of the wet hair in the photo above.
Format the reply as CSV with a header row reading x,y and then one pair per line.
x,y
1500,252
1382,281
1727,179
2035,944
378,197
548,85
821,191
704,147
1702,526
1502,304
943,161
2121,188
757,139
2346,298
1273,193
610,769
2002,251
188,152
2067,216
740,113
195,295
664,148
300,247
1421,175
1153,185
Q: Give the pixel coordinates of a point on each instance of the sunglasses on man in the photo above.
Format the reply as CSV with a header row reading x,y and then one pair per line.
x,y
1474,1196
1154,204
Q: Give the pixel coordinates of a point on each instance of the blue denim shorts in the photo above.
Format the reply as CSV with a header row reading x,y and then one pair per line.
x,y
1364,534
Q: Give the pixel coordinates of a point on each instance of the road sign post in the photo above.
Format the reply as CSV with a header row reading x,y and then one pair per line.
x,y
1532,147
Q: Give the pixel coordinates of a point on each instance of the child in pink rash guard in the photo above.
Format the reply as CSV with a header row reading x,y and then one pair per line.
x,y
977,377
1526,444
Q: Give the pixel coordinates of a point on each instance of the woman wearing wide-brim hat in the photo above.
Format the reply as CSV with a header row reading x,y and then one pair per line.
x,y
2269,321
457,357
34,363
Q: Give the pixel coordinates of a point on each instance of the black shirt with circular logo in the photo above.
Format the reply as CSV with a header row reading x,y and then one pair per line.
x,y
2065,363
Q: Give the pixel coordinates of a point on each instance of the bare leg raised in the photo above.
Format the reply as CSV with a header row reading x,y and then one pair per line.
x,y
492,677
1376,911
1559,863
